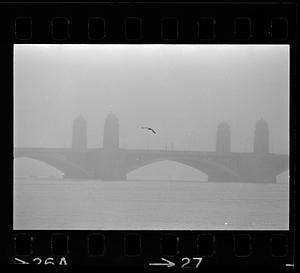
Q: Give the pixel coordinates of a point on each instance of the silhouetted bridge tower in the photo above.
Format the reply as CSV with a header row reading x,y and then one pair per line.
x,y
114,163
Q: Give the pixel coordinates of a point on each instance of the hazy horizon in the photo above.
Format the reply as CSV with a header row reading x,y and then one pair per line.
x,y
183,91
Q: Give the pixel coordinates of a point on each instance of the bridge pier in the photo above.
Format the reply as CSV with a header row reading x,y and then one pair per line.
x,y
271,179
216,178
75,176
113,177
258,178
111,166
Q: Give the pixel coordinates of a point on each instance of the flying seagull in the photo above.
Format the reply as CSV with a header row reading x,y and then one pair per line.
x,y
148,128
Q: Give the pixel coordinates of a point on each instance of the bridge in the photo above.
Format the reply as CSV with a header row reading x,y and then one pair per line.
x,y
114,163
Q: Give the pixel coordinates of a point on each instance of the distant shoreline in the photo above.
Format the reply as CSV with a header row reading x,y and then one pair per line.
x,y
35,178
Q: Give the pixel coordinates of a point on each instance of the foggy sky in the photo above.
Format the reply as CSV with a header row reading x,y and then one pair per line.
x,y
182,91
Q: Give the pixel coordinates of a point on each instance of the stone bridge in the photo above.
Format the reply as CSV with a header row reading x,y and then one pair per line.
x,y
114,163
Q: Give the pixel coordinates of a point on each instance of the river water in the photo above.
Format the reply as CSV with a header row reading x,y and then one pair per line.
x,y
138,205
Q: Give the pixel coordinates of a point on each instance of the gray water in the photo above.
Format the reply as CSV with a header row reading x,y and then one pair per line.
x,y
139,205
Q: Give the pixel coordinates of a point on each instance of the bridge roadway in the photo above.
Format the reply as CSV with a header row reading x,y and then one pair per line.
x,y
105,164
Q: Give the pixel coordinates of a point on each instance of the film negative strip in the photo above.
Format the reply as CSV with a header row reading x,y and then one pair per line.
x,y
153,135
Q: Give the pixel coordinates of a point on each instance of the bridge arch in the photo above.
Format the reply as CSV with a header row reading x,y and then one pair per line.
x,y
210,168
283,177
58,162
167,170
25,166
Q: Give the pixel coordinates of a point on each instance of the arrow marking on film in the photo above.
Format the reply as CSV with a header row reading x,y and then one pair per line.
x,y
167,263
21,261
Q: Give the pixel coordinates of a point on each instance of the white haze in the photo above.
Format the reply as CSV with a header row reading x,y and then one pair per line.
x,y
183,91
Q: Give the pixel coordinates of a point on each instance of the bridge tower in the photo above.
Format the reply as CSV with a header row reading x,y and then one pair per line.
x,y
261,137
223,138
79,138
111,133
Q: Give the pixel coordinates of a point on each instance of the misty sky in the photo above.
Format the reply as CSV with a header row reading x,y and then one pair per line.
x,y
182,91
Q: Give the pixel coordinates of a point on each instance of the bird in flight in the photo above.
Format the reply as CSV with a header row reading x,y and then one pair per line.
x,y
148,128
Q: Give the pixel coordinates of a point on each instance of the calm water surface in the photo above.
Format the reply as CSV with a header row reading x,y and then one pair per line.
x,y
137,205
